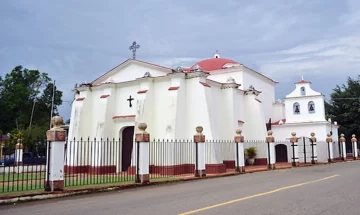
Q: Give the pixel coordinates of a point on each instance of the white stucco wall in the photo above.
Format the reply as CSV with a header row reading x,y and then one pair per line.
x,y
174,114
222,77
305,115
283,132
254,127
266,86
278,112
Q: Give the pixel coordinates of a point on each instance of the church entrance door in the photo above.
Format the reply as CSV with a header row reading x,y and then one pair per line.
x,y
127,146
281,153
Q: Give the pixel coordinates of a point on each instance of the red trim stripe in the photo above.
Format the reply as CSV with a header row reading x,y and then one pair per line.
x,y
104,96
80,99
124,116
174,88
204,84
258,100
142,91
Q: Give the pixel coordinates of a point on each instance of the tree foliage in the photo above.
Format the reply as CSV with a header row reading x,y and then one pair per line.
x,y
344,107
25,99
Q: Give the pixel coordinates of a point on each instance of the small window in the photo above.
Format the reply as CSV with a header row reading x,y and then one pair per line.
x,y
311,107
296,108
302,90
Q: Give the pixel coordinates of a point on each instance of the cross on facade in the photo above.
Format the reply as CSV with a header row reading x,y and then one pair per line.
x,y
130,99
133,48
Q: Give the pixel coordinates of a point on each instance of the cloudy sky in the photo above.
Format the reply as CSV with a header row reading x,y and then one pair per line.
x,y
78,40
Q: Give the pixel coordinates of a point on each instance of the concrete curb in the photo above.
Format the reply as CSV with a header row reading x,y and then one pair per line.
x,y
46,195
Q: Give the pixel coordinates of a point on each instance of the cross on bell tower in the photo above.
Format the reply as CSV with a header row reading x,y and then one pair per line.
x,y
133,48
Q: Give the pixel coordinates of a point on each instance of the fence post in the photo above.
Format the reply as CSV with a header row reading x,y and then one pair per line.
x,y
199,140
142,164
56,137
314,159
355,149
239,151
295,148
271,150
343,146
18,153
330,149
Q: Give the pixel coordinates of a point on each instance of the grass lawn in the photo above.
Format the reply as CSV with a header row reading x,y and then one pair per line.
x,y
5,178
24,183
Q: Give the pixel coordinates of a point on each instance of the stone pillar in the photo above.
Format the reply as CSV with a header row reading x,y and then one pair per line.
x,y
314,159
239,152
355,148
330,148
199,140
56,136
19,153
343,146
295,149
142,139
271,150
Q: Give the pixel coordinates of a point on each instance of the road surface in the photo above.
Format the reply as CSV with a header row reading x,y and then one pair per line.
x,y
326,189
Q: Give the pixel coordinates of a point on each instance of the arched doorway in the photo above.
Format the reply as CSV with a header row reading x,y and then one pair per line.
x,y
281,153
127,146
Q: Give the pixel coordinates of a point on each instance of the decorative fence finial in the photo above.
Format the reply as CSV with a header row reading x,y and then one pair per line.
x,y
199,130
142,127
329,138
293,138
353,139
57,122
238,132
312,138
342,138
270,138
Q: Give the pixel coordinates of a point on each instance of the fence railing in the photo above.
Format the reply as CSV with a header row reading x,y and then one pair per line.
x,y
90,162
27,175
102,161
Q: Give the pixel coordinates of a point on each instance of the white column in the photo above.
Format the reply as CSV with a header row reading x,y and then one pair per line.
x,y
295,149
239,153
343,146
54,179
19,153
271,150
313,140
143,138
330,148
19,156
355,149
199,140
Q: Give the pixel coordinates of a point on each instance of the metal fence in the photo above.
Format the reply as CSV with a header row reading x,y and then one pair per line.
x,y
170,158
91,162
28,175
99,161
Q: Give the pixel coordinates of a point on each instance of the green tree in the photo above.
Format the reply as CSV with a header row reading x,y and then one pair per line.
x,y
25,96
344,107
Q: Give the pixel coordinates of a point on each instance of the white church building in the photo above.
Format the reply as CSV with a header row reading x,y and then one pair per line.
x,y
217,93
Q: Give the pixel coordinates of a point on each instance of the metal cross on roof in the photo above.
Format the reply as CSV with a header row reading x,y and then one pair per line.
x,y
133,47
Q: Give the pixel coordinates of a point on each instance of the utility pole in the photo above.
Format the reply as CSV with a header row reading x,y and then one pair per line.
x,y
52,104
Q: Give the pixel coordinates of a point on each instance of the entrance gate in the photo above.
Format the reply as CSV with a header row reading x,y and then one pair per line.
x,y
281,153
305,150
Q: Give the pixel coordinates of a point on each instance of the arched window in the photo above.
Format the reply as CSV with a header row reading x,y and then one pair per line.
x,y
296,108
311,107
302,91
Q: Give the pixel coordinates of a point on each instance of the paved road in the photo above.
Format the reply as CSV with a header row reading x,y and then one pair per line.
x,y
328,189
